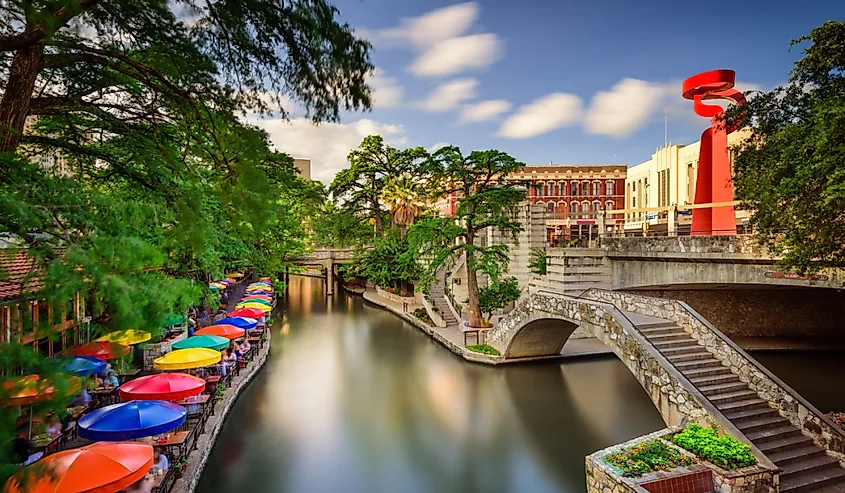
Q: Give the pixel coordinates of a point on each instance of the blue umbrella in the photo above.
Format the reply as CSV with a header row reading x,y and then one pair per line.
x,y
239,322
265,293
131,420
84,366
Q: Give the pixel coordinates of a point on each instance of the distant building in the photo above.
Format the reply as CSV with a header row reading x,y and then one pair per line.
x,y
304,167
573,197
664,181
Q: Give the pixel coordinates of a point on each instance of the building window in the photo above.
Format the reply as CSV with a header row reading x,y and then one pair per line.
x,y
596,188
596,206
585,207
645,190
551,208
585,188
608,206
551,186
574,188
538,189
608,188
561,206
573,209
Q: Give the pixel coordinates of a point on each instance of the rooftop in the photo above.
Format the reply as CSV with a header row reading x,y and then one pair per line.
x,y
18,274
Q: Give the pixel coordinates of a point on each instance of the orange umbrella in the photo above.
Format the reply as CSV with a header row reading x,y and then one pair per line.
x,y
25,390
101,467
256,297
222,330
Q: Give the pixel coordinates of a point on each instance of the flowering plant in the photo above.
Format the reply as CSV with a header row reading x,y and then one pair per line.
x,y
646,457
837,418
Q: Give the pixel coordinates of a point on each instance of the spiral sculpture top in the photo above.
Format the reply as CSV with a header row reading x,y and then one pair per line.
x,y
715,84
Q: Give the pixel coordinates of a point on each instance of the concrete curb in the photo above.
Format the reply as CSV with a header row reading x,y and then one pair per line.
x,y
199,457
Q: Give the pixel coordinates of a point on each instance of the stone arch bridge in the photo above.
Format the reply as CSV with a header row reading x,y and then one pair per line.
x,y
692,373
327,259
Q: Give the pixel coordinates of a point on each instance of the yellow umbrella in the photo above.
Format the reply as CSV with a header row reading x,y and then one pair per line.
x,y
126,337
185,359
259,306
234,274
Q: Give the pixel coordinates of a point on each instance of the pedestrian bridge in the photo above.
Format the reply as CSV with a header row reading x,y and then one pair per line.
x,y
327,259
692,373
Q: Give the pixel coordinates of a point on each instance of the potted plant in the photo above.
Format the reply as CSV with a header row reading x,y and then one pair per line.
x,y
180,467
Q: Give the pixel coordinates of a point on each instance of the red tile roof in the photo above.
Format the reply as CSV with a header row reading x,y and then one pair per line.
x,y
18,275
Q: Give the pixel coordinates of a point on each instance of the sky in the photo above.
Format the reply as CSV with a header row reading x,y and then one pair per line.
x,y
549,81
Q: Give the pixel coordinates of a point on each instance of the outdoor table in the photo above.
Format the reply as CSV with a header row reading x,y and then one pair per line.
x,y
205,410
178,440
43,441
104,395
480,333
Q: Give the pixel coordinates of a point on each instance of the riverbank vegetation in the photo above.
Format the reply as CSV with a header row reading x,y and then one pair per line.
x,y
128,174
484,349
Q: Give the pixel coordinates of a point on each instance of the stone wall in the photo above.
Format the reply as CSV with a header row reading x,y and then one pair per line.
x,y
542,324
395,297
776,312
768,387
533,235
716,245
149,352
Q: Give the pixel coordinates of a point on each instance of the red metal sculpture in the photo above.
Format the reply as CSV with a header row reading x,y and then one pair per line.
x,y
713,180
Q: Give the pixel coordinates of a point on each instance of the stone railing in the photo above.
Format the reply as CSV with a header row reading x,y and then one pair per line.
x,y
395,297
770,388
433,313
739,245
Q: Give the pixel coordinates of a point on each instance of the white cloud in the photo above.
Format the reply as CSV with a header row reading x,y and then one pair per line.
x,y
438,146
624,109
441,40
449,95
433,27
387,93
483,111
456,55
542,115
327,144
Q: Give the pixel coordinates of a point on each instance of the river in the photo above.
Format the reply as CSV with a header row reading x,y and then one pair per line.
x,y
354,399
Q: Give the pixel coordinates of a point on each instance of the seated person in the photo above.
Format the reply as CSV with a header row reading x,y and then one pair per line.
x,y
245,347
229,358
83,398
160,461
54,426
111,380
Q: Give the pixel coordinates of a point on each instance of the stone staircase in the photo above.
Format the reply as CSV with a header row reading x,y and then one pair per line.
x,y
805,466
438,298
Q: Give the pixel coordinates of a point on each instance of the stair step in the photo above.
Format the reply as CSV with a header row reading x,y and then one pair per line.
x,y
722,388
665,345
785,457
770,434
658,331
754,413
724,400
784,444
714,380
698,363
707,372
689,356
669,336
665,324
810,482
740,405
762,423
810,464
692,348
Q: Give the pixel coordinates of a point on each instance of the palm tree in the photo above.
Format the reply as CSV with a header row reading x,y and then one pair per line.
x,y
405,199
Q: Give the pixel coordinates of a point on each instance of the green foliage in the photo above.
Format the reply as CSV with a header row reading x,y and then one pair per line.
x,y
537,264
421,314
724,451
791,171
484,349
498,294
646,457
388,263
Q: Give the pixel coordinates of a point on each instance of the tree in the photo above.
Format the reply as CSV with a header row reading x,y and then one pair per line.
x,y
486,199
124,60
537,264
358,189
498,294
390,263
791,170
405,199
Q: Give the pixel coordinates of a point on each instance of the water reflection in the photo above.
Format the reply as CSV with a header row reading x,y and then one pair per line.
x,y
355,400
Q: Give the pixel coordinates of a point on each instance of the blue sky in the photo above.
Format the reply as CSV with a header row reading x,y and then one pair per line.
x,y
550,81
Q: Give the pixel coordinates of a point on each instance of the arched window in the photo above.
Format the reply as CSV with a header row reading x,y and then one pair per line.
x,y
585,207
551,208
561,206
608,187
551,188
608,206
596,206
541,188
596,188
585,188
574,187
573,209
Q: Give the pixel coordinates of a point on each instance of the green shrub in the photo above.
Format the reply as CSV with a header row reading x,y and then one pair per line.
x,y
724,451
646,457
484,348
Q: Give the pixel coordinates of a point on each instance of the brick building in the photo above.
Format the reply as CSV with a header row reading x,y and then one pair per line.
x,y
572,195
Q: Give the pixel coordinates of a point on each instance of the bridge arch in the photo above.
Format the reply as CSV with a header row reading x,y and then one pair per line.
x,y
542,334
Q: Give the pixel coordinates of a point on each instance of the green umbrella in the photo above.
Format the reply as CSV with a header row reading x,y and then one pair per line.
x,y
174,320
256,300
216,343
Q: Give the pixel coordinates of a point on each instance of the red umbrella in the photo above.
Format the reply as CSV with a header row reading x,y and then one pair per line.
x,y
222,330
102,350
248,312
163,386
97,468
